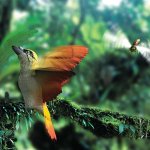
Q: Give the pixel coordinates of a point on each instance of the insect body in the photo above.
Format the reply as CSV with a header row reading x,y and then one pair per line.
x,y
133,47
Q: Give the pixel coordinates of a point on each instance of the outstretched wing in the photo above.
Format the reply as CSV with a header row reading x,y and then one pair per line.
x,y
145,52
52,82
120,41
55,69
63,58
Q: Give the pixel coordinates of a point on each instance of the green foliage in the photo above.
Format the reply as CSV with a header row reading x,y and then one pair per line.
x,y
121,128
107,78
17,37
124,127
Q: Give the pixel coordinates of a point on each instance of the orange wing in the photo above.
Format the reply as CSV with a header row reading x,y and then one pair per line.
x,y
53,71
55,68
52,82
63,58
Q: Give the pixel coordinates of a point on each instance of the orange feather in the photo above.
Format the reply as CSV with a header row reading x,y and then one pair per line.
x,y
48,122
53,71
63,58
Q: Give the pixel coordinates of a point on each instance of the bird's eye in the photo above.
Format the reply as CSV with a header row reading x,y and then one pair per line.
x,y
26,51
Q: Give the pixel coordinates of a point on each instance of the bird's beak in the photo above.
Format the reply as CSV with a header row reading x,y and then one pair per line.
x,y
17,50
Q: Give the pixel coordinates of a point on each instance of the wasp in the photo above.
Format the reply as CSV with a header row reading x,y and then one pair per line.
x,y
133,47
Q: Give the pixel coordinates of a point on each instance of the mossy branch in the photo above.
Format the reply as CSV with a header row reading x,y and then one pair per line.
x,y
101,123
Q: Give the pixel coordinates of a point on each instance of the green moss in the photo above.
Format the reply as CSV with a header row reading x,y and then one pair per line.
x,y
99,122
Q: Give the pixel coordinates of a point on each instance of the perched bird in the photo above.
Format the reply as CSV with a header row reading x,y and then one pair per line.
x,y
41,79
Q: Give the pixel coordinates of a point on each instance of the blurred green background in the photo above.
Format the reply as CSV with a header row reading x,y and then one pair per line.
x,y
110,77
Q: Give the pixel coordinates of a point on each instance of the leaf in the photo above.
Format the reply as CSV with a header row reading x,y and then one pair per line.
x,y
126,126
91,125
132,128
11,141
1,132
17,125
7,116
26,122
8,133
83,122
121,128
30,122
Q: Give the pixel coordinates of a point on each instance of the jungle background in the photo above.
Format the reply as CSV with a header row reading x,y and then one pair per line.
x,y
109,78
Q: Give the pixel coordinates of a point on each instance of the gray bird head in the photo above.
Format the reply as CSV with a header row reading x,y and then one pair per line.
x,y
26,56
26,53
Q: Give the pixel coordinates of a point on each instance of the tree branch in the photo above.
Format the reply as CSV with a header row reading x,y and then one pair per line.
x,y
101,123
75,32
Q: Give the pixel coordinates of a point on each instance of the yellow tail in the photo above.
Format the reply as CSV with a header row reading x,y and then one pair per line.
x,y
48,122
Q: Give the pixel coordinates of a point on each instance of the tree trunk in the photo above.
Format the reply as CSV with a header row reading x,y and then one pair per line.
x,y
6,7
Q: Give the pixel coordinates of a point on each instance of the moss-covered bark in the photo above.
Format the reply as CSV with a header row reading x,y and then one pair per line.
x,y
101,123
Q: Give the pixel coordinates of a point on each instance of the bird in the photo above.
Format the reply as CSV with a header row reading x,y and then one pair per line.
x,y
41,78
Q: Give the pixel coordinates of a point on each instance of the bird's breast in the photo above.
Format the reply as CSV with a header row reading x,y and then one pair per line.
x,y
31,91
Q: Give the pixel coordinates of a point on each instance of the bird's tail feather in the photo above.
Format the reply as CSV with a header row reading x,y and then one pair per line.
x,y
48,122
